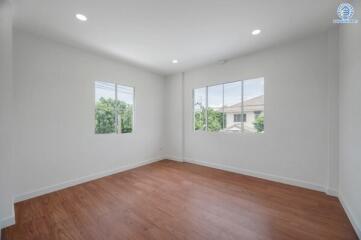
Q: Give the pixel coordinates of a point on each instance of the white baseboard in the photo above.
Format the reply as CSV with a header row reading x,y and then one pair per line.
x,y
355,224
332,192
6,222
173,158
66,184
266,176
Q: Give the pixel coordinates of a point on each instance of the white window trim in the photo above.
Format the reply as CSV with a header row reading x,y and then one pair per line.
x,y
242,108
116,120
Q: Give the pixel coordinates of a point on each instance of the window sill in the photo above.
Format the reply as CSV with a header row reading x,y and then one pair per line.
x,y
229,133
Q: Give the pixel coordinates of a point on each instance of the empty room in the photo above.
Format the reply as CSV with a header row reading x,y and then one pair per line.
x,y
171,119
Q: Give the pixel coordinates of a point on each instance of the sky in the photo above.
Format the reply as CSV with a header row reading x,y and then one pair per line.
x,y
107,90
232,92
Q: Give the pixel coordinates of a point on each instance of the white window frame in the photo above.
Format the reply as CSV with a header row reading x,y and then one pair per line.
x,y
242,107
118,132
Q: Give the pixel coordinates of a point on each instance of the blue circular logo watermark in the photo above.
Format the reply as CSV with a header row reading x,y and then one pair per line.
x,y
345,11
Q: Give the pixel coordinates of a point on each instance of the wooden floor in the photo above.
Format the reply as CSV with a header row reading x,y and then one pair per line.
x,y
170,200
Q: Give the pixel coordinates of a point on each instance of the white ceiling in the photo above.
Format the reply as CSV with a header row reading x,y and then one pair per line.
x,y
150,33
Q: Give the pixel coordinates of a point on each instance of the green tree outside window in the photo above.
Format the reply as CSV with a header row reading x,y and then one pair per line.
x,y
107,111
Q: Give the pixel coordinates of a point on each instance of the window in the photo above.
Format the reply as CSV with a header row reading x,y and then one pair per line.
x,y
253,100
215,118
233,106
230,107
105,108
199,106
125,113
237,118
114,108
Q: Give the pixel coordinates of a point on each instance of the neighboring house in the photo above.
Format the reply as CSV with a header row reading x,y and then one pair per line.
x,y
252,108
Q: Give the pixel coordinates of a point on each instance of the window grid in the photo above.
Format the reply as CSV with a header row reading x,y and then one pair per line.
x,y
244,118
118,127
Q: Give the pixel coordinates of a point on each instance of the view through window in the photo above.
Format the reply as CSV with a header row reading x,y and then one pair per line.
x,y
215,120
230,107
114,107
200,108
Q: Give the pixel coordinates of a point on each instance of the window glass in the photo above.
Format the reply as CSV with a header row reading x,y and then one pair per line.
x,y
233,106
253,105
105,113
125,103
199,105
114,107
230,107
215,119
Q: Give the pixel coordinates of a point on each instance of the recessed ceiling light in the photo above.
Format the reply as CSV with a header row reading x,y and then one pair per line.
x,y
81,17
175,61
256,32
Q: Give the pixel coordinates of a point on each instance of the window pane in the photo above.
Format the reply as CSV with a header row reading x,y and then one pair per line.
x,y
233,106
237,118
253,105
125,108
199,105
215,108
105,108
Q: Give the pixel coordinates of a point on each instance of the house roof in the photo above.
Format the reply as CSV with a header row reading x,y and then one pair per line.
x,y
250,105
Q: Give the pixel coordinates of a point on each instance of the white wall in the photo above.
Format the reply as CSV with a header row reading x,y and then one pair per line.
x,y
54,104
350,119
333,110
6,114
174,119
295,145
